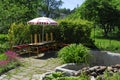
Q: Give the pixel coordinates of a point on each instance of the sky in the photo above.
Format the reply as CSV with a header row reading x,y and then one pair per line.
x,y
71,4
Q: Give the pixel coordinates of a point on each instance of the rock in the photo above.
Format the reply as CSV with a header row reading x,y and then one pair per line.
x,y
115,70
117,66
111,73
100,77
94,68
93,78
99,71
103,68
87,71
85,68
119,70
94,74
109,68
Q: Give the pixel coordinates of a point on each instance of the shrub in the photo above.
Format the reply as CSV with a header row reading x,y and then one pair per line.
x,y
74,54
18,34
3,42
61,76
109,76
54,75
9,60
76,31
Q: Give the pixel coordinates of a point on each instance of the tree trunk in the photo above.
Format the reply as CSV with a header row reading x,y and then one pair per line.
x,y
106,30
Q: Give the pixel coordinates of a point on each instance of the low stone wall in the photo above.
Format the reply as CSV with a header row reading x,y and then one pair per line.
x,y
100,62
104,58
70,69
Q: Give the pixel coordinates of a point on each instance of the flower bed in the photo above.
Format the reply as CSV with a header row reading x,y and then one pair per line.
x,y
8,61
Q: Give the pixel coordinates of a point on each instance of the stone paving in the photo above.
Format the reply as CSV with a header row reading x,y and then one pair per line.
x,y
32,68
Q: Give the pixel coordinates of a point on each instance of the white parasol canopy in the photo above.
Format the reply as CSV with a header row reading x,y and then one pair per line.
x,y
42,21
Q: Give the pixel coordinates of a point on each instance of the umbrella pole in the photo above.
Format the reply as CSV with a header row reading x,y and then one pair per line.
x,y
43,34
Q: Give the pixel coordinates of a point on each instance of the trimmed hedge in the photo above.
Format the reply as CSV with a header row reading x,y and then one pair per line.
x,y
77,31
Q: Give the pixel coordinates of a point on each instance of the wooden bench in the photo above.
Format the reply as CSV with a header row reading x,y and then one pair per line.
x,y
21,49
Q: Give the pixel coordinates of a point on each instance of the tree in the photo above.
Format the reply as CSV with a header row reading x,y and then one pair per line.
x,y
63,12
24,10
16,11
103,12
50,7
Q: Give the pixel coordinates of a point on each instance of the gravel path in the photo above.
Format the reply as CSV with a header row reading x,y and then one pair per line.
x,y
33,67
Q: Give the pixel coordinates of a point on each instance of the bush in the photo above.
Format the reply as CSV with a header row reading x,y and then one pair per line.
x,y
8,60
3,42
18,34
77,31
61,76
109,76
74,54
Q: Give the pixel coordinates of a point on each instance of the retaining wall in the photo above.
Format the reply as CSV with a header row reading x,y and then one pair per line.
x,y
104,58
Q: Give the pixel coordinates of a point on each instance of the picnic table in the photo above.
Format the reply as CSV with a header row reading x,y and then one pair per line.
x,y
34,47
42,46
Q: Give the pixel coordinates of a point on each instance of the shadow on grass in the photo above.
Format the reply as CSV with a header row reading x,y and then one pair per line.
x,y
108,38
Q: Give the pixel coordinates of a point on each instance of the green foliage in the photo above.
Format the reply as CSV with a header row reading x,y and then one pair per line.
x,y
100,11
19,34
8,60
108,76
108,45
16,11
60,76
50,8
74,54
77,31
54,76
3,42
3,57
56,30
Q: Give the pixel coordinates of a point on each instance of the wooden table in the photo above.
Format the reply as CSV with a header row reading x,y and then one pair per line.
x,y
41,44
20,49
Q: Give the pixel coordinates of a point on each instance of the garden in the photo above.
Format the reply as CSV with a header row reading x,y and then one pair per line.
x,y
75,52
85,43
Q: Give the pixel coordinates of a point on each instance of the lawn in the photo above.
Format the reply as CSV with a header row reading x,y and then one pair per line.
x,y
105,43
108,45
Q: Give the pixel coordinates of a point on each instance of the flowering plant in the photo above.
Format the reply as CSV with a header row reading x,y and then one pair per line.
x,y
11,56
10,61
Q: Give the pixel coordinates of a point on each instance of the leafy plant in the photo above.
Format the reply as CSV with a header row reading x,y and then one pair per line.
x,y
3,42
3,57
18,34
54,76
110,76
76,31
75,53
61,76
9,60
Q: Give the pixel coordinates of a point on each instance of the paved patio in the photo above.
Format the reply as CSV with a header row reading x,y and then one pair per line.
x,y
33,67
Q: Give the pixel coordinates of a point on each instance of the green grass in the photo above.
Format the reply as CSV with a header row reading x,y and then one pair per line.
x,y
105,43
108,45
108,76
